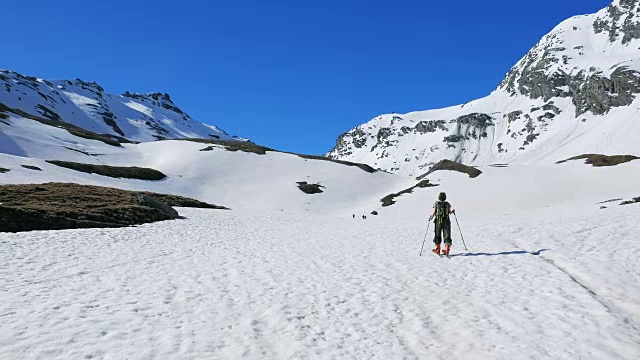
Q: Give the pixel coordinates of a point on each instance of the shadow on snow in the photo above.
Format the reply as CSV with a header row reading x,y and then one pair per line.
x,y
519,252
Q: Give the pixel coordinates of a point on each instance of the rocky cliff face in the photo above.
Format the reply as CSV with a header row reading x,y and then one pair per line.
x,y
557,65
137,117
583,74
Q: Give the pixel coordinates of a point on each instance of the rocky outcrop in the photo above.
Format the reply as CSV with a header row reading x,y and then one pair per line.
x,y
356,138
470,126
513,116
546,71
595,92
620,22
587,69
310,188
430,126
159,99
598,94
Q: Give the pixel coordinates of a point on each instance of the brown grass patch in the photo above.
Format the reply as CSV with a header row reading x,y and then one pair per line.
x,y
452,166
31,167
390,199
56,206
131,172
179,201
602,160
363,167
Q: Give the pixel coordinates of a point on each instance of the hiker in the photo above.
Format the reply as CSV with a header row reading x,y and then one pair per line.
x,y
354,216
441,211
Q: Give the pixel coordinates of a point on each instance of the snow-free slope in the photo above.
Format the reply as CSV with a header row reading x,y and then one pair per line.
x,y
137,117
575,92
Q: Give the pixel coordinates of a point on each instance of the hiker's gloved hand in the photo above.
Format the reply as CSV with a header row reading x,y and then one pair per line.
x,y
430,217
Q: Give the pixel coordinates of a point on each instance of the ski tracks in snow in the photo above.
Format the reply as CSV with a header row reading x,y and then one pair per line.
x,y
271,285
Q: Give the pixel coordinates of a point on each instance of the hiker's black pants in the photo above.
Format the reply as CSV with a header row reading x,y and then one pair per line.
x,y
443,230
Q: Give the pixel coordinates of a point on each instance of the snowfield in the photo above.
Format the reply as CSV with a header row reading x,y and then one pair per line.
x,y
288,275
277,285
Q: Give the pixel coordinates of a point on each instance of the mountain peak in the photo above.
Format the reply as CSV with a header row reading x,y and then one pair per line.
x,y
626,4
85,104
87,85
620,20
156,98
581,58
585,72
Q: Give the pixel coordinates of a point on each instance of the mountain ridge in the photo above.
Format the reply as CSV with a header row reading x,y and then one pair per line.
x,y
571,93
85,104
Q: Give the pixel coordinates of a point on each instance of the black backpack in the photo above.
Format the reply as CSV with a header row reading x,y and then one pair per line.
x,y
442,212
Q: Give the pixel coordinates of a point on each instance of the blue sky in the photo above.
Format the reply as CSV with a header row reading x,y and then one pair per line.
x,y
292,75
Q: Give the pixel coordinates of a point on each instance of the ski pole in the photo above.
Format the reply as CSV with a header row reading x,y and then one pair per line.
x,y
425,237
465,245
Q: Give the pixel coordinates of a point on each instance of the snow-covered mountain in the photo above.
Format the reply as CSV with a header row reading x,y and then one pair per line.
x,y
136,117
212,172
291,275
574,92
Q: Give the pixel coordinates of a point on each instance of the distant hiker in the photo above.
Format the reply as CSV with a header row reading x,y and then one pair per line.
x,y
441,211
354,216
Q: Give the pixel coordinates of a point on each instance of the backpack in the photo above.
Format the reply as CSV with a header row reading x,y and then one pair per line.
x,y
442,212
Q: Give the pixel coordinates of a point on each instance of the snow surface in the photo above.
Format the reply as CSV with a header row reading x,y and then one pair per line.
x,y
286,275
277,285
